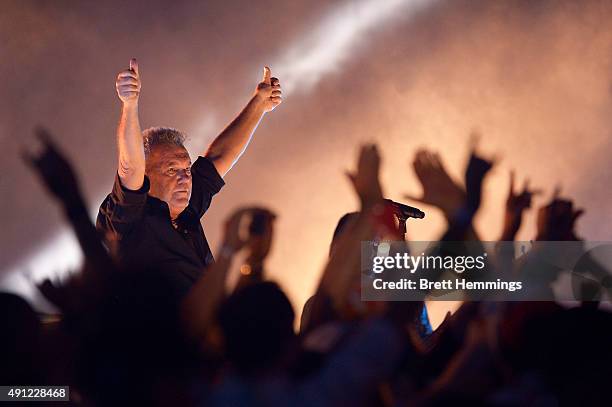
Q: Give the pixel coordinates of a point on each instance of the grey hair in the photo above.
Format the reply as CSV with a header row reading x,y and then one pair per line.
x,y
154,136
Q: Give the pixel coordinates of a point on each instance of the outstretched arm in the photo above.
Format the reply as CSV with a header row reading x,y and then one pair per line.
x,y
131,166
200,305
227,148
202,301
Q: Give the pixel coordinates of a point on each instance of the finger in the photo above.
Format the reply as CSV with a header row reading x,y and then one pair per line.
x,y
562,207
473,141
428,159
420,158
128,88
274,82
234,220
128,80
276,99
424,157
266,75
419,165
267,213
437,161
276,87
351,177
28,158
276,93
556,192
375,152
578,213
127,74
42,134
363,152
46,139
134,66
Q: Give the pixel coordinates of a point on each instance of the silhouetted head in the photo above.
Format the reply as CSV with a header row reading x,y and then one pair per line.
x,y
257,324
168,167
134,340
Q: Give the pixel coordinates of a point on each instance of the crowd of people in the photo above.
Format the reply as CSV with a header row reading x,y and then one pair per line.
x,y
156,332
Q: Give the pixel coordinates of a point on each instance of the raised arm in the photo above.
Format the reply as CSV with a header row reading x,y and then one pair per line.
x,y
227,148
131,165
202,301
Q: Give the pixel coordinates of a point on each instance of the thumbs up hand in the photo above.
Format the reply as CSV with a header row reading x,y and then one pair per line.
x,y
128,84
268,92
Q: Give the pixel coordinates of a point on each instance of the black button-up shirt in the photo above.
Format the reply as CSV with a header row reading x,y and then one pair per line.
x,y
137,227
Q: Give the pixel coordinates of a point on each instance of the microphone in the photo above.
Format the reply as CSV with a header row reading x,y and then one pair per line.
x,y
404,212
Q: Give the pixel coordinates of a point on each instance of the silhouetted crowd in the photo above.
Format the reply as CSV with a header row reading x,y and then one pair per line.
x,y
130,336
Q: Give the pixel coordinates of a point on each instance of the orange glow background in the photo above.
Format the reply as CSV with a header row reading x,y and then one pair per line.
x,y
532,77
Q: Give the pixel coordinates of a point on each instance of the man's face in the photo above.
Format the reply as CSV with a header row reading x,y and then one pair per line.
x,y
169,171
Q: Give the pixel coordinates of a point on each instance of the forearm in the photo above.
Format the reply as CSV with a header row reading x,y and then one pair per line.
x,y
227,148
131,166
201,303
342,270
89,240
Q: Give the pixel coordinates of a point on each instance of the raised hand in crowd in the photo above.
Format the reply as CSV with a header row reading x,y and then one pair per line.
x,y
55,172
260,237
201,303
460,223
60,180
365,179
557,220
439,189
516,205
477,168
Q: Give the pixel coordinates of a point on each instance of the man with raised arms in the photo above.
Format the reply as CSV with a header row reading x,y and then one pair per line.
x,y
151,219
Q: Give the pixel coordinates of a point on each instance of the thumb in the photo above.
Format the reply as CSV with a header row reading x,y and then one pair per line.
x,y
266,75
578,213
351,177
512,176
29,159
134,65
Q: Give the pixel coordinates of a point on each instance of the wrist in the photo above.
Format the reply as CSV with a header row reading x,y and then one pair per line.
x,y
255,266
130,105
74,208
257,104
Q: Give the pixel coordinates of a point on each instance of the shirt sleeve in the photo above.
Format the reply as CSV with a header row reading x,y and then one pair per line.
x,y
206,182
121,209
